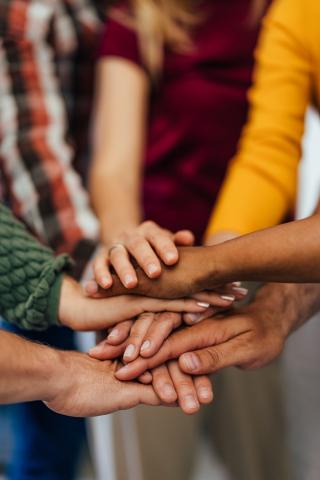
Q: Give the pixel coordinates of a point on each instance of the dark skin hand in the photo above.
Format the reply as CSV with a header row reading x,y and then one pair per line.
x,y
249,339
286,253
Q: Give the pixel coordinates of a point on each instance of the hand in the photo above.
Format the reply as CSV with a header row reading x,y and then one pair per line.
x,y
146,244
79,312
169,382
145,335
249,339
194,273
173,385
84,387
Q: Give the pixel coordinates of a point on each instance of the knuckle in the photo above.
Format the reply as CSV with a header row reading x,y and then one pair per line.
x,y
212,357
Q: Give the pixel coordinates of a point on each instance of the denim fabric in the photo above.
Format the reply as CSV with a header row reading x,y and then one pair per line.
x,y
46,445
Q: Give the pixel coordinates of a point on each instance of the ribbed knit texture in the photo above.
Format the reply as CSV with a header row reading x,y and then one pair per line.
x,y
30,276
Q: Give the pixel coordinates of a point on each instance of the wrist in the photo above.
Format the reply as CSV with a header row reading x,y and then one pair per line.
x,y
281,301
71,299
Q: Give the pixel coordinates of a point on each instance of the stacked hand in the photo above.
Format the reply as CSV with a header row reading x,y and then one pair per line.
x,y
145,335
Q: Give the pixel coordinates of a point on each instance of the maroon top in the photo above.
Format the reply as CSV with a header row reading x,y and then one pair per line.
x,y
196,113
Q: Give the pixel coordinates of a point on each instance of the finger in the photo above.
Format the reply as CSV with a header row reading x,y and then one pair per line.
x,y
215,299
101,270
119,259
146,378
207,333
158,331
184,238
179,305
187,395
194,318
133,394
209,360
163,243
137,335
163,385
105,351
204,389
145,256
119,333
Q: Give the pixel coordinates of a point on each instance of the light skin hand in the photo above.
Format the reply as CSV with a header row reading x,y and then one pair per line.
x,y
251,338
148,244
79,312
87,387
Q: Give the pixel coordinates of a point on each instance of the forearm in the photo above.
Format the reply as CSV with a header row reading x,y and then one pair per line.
x,y
28,371
286,253
116,200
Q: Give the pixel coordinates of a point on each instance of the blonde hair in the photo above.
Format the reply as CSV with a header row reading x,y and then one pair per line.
x,y
169,23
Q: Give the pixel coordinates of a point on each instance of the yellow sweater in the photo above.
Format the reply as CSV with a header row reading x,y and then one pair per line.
x,y
260,187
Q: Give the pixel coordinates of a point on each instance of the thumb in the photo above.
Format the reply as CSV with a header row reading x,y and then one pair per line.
x,y
209,360
134,394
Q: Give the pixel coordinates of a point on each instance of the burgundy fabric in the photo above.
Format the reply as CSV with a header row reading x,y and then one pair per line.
x,y
196,112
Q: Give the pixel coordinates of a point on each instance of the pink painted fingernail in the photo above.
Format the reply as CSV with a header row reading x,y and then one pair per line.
x,y
241,291
228,298
129,351
236,284
203,304
145,346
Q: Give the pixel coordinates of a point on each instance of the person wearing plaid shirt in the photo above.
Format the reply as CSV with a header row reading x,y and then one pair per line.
x,y
47,52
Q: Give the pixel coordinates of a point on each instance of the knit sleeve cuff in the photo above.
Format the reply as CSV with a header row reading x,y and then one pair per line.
x,y
41,308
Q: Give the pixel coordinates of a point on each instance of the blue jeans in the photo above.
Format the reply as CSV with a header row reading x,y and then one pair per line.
x,y
46,445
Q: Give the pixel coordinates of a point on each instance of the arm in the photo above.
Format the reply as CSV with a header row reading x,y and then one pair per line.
x,y
115,180
36,160
260,187
69,382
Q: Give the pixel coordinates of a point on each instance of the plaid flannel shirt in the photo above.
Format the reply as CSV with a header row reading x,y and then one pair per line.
x,y
47,53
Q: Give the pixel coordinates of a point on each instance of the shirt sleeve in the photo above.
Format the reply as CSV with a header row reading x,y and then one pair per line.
x,y
41,185
119,39
260,187
30,276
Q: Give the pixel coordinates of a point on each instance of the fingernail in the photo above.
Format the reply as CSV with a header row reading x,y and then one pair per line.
x,y
236,284
145,346
228,298
194,317
123,369
241,291
129,351
105,281
191,402
191,361
96,350
205,393
90,287
203,304
114,334
129,280
168,391
152,268
170,256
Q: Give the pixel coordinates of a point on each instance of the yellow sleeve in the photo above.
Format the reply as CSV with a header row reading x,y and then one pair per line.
x,y
260,187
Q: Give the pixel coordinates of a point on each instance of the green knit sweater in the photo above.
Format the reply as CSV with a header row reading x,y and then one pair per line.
x,y
30,276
